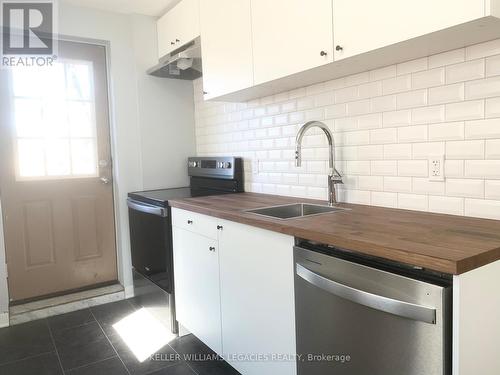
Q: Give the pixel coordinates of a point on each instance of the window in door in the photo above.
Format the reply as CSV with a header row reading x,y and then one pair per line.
x,y
54,121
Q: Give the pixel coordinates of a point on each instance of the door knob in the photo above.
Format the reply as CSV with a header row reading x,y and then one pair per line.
x,y
323,53
105,180
190,221
211,248
339,48
220,227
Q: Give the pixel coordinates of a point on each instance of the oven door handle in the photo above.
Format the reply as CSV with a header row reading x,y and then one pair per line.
x,y
146,208
374,301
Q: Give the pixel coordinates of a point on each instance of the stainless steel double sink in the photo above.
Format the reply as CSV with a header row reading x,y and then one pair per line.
x,y
293,211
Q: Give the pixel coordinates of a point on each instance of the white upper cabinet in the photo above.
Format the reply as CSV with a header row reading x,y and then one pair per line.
x,y
179,26
290,36
365,25
226,34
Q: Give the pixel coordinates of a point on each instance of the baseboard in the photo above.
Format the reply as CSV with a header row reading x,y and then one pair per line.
x,y
4,320
129,291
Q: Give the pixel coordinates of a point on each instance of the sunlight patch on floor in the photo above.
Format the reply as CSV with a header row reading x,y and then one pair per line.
x,y
143,334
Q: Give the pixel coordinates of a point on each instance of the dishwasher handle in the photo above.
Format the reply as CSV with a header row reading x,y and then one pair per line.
x,y
374,301
146,208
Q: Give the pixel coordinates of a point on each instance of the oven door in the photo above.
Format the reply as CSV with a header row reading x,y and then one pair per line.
x,y
151,242
358,320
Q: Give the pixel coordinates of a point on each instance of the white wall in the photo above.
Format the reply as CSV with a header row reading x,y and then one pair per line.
x,y
152,118
386,123
166,112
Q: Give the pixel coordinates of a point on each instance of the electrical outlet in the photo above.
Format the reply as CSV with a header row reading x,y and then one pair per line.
x,y
436,168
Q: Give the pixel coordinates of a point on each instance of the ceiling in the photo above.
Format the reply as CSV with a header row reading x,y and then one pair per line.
x,y
146,7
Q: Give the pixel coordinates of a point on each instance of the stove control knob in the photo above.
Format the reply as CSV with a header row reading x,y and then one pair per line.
x,y
193,164
225,165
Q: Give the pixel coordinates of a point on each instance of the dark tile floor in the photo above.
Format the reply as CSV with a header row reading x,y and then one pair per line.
x,y
85,343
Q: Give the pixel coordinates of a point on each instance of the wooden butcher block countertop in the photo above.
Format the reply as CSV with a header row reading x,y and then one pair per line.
x,y
450,244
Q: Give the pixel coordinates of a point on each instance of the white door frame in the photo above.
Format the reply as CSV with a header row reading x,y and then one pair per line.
x,y
122,269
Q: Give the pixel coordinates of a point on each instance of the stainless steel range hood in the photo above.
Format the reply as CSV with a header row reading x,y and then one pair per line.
x,y
183,63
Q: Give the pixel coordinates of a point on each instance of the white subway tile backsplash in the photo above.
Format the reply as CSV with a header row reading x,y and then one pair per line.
x,y
384,136
487,209
466,71
414,168
465,150
373,183
447,131
482,129
413,202
469,110
396,84
483,88
428,149
447,58
465,188
483,50
493,66
383,103
454,168
384,168
428,78
417,133
398,184
447,94
397,151
492,108
446,205
427,115
424,186
492,190
397,118
386,124
493,149
384,199
412,66
411,99
482,169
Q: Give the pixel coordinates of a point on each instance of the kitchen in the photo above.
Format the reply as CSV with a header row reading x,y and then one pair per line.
x,y
323,182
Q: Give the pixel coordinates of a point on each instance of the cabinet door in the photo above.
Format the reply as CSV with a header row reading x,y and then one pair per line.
x,y
178,27
166,38
365,25
187,24
257,297
226,46
197,291
289,36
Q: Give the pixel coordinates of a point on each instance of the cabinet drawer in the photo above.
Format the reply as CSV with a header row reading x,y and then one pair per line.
x,y
194,222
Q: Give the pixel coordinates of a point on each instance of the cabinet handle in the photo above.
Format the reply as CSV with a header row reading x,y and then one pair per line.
x,y
205,92
190,221
172,43
323,53
211,248
339,48
220,227
177,40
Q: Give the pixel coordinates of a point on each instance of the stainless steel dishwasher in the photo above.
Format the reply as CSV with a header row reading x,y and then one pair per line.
x,y
357,315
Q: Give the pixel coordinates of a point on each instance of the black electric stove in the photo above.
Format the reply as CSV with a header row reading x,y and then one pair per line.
x,y
151,223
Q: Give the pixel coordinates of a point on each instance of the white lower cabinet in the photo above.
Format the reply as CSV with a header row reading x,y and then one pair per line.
x,y
257,300
197,291
239,298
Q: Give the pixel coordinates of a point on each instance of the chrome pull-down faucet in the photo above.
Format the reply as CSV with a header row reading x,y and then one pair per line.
x,y
334,177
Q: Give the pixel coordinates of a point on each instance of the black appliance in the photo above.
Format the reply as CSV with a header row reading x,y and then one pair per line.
x,y
151,223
